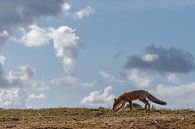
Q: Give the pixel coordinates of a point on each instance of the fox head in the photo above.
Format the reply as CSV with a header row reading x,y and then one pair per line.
x,y
115,104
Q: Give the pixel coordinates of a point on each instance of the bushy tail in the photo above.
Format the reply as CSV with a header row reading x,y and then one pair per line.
x,y
155,100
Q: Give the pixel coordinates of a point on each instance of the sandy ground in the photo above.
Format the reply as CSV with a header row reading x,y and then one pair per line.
x,y
70,118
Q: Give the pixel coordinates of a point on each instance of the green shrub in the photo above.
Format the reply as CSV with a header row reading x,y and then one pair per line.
x,y
134,105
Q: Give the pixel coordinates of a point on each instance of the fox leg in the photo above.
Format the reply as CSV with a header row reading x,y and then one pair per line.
x,y
122,104
130,105
147,105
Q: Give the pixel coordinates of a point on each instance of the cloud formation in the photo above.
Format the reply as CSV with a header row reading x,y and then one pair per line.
x,y
83,13
162,60
182,94
22,13
18,78
65,42
12,98
34,36
99,98
21,77
139,78
17,98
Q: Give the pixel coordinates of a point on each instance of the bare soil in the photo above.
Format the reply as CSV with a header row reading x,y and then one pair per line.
x,y
81,118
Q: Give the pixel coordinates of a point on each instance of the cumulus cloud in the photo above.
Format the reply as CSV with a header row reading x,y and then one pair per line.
x,y
25,12
20,14
162,60
34,36
13,86
65,8
65,42
180,95
83,13
21,77
17,98
99,98
15,78
139,78
12,98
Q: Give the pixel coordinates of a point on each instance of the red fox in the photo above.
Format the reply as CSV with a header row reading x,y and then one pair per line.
x,y
141,95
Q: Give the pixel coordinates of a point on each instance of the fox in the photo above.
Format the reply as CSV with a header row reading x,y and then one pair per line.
x,y
141,95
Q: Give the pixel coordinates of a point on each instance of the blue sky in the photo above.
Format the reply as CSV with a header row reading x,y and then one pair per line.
x,y
84,53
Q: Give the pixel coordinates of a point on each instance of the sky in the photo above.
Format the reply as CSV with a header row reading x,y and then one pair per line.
x,y
76,53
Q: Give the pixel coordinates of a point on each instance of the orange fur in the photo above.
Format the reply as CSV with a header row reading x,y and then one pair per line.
x,y
141,95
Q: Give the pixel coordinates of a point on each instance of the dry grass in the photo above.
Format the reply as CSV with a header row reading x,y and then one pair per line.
x,y
75,118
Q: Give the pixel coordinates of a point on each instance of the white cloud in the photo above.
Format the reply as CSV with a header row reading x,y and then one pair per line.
x,y
17,98
26,72
13,91
83,13
99,98
18,78
22,13
25,12
34,36
21,77
35,97
150,57
4,34
65,42
12,98
139,78
109,77
66,7
180,95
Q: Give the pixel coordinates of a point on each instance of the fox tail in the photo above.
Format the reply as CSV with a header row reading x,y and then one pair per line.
x,y
155,100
